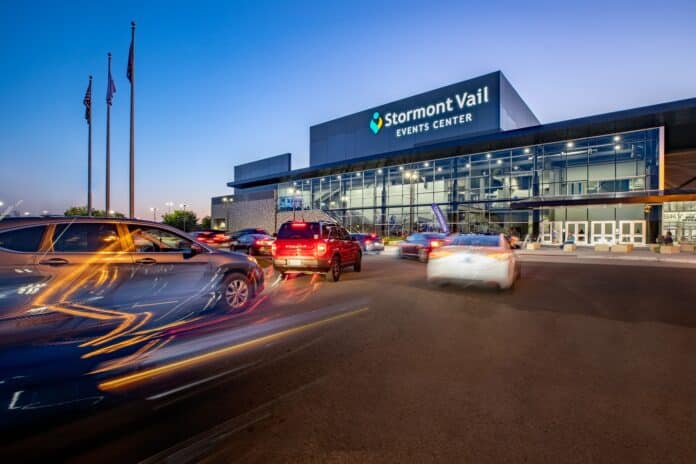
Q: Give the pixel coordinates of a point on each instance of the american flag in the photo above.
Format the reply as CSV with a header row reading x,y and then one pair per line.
x,y
131,63
110,90
88,102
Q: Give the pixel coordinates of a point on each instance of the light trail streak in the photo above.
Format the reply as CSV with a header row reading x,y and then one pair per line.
x,y
130,379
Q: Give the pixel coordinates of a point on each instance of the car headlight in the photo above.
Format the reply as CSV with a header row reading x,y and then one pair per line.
x,y
252,259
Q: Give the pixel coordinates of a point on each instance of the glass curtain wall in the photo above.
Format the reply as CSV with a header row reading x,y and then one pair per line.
x,y
475,191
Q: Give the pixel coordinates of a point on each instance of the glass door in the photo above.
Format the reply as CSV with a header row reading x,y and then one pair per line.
x,y
577,231
603,232
551,232
632,232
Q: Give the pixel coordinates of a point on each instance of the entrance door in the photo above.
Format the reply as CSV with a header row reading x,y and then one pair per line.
x,y
576,230
632,232
603,231
551,232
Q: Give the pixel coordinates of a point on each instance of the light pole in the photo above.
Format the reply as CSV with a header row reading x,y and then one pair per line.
x,y
154,214
183,206
169,205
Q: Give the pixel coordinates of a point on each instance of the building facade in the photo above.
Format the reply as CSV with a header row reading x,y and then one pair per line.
x,y
476,151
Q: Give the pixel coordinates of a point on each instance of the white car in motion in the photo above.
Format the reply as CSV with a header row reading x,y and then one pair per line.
x,y
486,259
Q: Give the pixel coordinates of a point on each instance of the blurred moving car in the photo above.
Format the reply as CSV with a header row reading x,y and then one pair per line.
x,y
110,263
369,242
474,258
420,245
254,244
315,247
234,236
213,238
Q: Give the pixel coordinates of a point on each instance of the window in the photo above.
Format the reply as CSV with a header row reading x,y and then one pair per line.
x,y
477,240
86,237
154,240
26,240
298,230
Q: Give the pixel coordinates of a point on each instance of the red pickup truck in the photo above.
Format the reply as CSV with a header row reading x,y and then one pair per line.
x,y
315,248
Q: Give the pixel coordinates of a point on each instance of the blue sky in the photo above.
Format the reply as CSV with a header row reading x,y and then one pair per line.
x,y
222,83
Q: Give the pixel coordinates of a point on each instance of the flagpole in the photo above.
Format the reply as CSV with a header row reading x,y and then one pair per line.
x,y
131,67
108,142
89,157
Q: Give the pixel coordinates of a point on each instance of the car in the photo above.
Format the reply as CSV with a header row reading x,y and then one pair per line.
x,y
486,259
213,238
111,263
369,242
254,244
234,236
316,248
420,245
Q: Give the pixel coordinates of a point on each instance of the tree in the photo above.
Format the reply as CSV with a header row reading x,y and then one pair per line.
x,y
82,211
206,223
184,220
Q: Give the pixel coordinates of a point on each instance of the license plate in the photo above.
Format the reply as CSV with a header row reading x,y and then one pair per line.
x,y
294,262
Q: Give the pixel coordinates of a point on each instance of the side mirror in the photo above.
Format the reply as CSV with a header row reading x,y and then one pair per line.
x,y
193,251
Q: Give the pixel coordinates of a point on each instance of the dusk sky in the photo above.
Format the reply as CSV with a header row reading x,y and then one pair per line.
x,y
223,83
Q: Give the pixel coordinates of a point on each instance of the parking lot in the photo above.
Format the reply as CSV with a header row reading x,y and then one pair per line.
x,y
577,363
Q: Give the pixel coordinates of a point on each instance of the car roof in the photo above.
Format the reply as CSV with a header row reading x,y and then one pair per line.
x,y
14,222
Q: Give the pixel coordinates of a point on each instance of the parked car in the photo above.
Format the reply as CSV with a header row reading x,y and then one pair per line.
x,y
213,238
118,263
315,247
420,245
369,242
479,258
255,244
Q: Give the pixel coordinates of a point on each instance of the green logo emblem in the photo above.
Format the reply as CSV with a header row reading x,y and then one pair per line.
x,y
376,123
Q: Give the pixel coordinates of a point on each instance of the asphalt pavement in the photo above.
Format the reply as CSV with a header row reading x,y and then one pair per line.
x,y
578,363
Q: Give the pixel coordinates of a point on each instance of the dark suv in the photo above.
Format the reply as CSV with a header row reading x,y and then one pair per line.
x,y
108,263
315,247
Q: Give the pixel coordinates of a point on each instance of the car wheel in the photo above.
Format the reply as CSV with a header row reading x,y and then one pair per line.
x,y
357,267
236,292
334,271
423,255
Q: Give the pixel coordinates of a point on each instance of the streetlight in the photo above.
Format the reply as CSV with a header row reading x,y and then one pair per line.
x,y
183,206
154,213
27,213
169,205
44,212
111,212
2,204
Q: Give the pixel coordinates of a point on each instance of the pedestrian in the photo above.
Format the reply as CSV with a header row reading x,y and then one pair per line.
x,y
668,238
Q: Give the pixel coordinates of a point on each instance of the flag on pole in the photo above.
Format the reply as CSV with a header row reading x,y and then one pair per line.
x,y
88,102
110,90
131,63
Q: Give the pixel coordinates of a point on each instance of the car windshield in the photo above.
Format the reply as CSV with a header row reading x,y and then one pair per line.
x,y
298,230
477,240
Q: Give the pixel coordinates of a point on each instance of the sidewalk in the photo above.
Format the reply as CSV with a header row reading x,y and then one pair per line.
x,y
587,255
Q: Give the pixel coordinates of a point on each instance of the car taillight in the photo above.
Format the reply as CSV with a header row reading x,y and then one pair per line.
x,y
373,235
435,243
367,242
500,256
321,249
273,249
